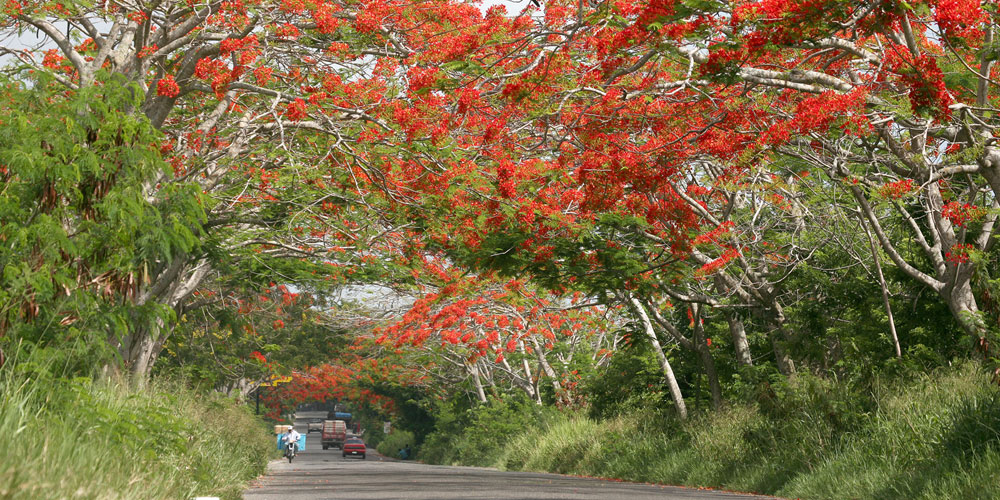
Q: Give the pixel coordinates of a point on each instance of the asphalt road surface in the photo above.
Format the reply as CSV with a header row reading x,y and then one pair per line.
x,y
317,474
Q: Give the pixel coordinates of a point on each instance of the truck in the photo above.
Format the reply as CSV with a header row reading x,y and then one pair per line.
x,y
334,433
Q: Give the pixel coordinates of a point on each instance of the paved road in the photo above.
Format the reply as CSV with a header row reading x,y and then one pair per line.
x,y
316,474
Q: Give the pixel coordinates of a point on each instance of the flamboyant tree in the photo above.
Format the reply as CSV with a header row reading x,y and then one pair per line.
x,y
497,335
668,156
272,115
643,145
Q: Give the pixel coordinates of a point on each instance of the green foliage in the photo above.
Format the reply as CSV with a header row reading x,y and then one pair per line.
x,y
906,436
81,229
472,435
395,441
631,381
81,439
413,411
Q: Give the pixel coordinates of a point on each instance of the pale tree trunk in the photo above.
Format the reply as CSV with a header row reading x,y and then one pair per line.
x,y
885,292
143,353
785,364
951,280
144,343
705,353
523,383
527,372
779,335
549,371
474,371
962,303
668,372
738,332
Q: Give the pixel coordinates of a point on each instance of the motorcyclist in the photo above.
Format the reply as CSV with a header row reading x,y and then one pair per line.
x,y
292,436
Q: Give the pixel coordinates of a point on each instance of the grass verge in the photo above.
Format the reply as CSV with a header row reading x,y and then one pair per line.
x,y
934,437
68,439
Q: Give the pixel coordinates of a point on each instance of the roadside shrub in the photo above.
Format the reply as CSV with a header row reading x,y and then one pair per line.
x,y
475,436
77,438
925,437
937,438
395,441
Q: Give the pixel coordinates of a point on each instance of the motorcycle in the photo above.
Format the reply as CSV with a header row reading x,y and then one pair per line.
x,y
290,451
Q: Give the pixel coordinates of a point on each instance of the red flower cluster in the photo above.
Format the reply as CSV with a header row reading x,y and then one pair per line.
x,y
717,264
925,83
326,23
147,51
287,31
167,87
422,78
896,190
263,75
296,110
52,59
960,214
959,254
959,18
818,113
247,48
505,179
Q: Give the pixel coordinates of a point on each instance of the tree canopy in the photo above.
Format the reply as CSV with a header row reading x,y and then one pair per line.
x,y
727,183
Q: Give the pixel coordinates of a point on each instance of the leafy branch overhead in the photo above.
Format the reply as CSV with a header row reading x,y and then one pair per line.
x,y
725,183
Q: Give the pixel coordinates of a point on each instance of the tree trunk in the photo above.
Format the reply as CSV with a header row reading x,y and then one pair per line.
x,y
172,286
707,362
474,371
785,364
885,292
561,395
738,332
536,394
145,352
668,372
778,335
962,303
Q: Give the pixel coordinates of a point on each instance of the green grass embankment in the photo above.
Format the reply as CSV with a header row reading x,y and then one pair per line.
x,y
930,438
69,439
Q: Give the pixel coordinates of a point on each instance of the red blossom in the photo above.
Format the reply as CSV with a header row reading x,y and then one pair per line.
x,y
296,110
167,87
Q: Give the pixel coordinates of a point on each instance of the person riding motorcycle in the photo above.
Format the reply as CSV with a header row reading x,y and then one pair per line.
x,y
292,437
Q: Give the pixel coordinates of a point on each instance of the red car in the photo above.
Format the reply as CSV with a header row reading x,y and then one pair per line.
x,y
354,447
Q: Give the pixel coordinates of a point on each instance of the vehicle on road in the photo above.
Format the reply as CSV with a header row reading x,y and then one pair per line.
x,y
315,425
334,433
354,447
290,451
340,415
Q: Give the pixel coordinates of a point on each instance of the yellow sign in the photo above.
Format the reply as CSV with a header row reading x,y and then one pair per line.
x,y
275,380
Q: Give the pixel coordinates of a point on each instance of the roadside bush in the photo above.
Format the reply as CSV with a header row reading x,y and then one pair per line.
x,y
932,436
395,441
475,436
80,439
939,438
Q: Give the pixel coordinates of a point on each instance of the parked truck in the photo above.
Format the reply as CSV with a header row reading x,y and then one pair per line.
x,y
334,433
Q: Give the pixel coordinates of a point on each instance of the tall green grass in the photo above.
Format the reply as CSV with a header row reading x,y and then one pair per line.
x,y
69,439
934,437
